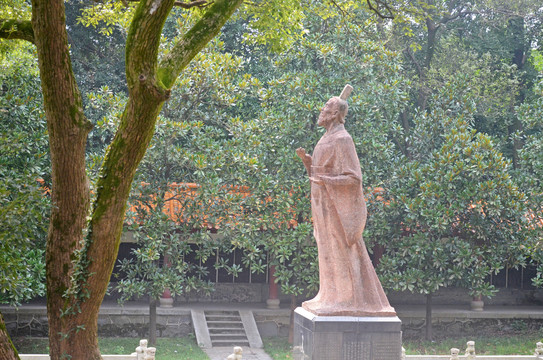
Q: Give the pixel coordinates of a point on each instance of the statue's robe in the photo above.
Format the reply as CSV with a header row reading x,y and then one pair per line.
x,y
348,283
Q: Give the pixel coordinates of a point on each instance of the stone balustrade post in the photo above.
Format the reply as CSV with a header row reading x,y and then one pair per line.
x,y
470,350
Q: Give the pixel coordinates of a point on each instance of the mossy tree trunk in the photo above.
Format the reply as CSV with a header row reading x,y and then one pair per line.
x,y
79,267
7,350
68,129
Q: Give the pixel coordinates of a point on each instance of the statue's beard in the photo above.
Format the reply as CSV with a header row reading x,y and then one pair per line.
x,y
323,121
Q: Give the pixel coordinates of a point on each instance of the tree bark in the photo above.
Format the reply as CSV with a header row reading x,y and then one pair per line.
x,y
423,75
428,334
68,129
7,350
293,301
152,322
378,252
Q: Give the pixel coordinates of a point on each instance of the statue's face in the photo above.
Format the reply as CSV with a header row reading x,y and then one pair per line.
x,y
329,113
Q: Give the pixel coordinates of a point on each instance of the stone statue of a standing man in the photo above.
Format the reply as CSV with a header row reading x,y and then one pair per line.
x,y
348,283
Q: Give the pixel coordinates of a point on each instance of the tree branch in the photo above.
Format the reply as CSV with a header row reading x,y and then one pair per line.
x,y
375,9
195,39
16,29
339,8
409,53
184,5
199,3
461,12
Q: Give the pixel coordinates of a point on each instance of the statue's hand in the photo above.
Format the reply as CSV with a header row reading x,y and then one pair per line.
x,y
301,153
306,158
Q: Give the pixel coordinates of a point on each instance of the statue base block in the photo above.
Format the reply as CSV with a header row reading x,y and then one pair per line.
x,y
346,337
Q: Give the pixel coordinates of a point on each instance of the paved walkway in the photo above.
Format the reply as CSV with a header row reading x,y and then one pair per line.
x,y
220,353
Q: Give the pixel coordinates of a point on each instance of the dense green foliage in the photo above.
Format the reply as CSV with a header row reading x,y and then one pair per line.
x,y
460,186
23,161
456,210
530,174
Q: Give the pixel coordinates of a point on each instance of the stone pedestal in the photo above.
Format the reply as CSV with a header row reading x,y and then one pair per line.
x,y
346,337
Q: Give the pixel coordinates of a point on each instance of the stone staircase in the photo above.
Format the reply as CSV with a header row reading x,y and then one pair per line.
x,y
218,328
226,328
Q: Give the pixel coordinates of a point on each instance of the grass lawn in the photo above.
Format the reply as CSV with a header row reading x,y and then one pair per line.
x,y
278,348
523,344
167,348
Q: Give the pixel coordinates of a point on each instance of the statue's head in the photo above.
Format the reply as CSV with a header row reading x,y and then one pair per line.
x,y
334,111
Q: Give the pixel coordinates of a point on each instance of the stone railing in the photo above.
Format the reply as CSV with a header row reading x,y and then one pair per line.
x,y
471,355
142,353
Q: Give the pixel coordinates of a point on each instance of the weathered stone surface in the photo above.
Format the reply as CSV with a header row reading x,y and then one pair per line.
x,y
346,337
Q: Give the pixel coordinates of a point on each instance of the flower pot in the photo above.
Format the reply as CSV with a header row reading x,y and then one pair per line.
x,y
477,304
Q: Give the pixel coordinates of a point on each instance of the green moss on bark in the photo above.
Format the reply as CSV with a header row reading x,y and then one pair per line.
x,y
138,15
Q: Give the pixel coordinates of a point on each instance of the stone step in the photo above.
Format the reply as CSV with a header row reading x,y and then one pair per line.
x,y
222,322
228,330
221,335
226,342
227,335
222,318
221,313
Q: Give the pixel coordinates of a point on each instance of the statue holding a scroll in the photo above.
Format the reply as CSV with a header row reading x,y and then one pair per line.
x,y
348,283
